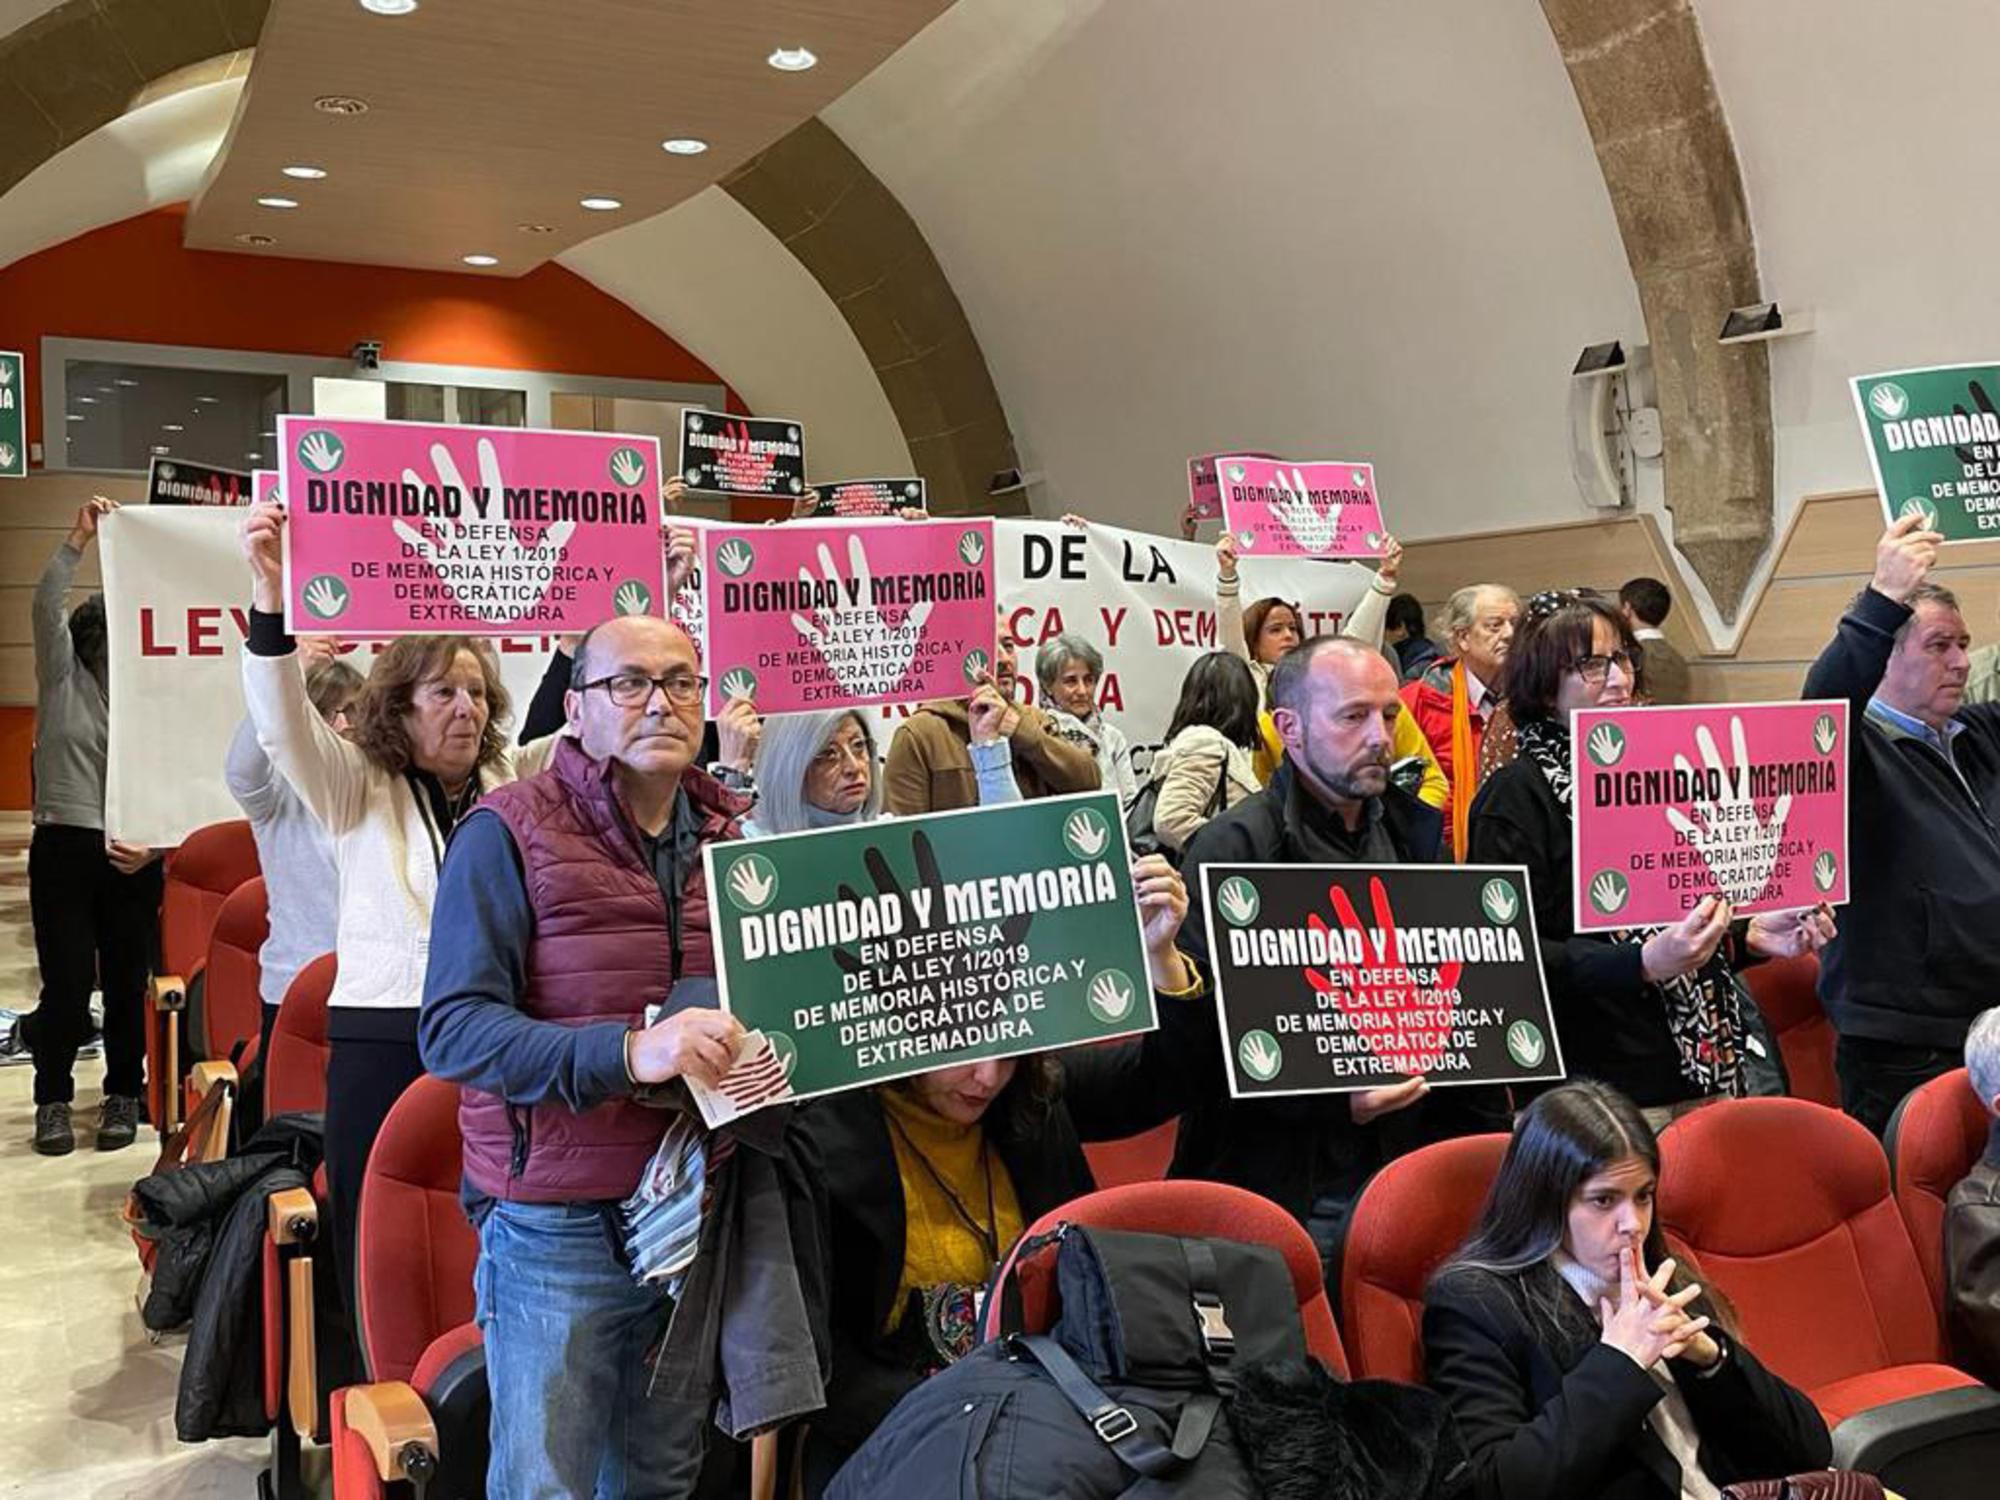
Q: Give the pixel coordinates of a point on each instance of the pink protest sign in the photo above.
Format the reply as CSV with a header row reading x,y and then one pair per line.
x,y
1204,493
1280,509
267,487
804,617
403,528
1743,800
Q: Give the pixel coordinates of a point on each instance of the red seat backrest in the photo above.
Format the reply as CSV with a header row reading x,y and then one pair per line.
x,y
1787,992
1938,1133
295,1072
1786,1207
1412,1215
1198,1210
1137,1158
232,1009
415,1251
209,864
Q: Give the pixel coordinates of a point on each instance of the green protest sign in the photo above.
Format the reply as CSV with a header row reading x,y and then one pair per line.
x,y
1442,977
889,948
1934,442
13,416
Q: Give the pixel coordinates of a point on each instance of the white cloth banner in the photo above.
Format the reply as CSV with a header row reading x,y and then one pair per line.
x,y
176,590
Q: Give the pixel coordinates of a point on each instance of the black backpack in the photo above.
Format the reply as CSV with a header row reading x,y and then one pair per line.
x,y
1139,816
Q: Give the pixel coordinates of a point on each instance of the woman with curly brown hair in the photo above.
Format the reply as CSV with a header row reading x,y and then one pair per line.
x,y
428,737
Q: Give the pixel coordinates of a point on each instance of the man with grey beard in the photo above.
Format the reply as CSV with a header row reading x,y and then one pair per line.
x,y
1334,702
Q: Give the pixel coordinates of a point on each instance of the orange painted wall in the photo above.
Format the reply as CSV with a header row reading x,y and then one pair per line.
x,y
135,281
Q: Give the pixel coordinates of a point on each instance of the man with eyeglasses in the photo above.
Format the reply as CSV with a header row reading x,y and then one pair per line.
x,y
569,904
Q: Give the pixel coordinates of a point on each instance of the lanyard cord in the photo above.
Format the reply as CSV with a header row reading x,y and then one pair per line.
x,y
988,1234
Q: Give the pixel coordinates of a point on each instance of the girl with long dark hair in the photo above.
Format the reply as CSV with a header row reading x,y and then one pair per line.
x,y
1579,1359
1204,767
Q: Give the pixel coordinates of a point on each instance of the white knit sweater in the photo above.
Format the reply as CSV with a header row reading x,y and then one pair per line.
x,y
386,848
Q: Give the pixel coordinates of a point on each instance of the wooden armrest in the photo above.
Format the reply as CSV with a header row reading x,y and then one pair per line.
x,y
169,992
391,1418
206,1074
293,1216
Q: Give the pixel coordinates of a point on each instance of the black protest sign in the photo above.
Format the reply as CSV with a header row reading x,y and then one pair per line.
x,y
175,481
743,455
1440,977
861,498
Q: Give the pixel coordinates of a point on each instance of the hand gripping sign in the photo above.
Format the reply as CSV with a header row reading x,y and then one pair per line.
x,y
404,528
1747,801
1280,509
807,616
1442,978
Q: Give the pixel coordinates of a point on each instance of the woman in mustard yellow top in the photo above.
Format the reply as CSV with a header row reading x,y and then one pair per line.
x,y
932,1178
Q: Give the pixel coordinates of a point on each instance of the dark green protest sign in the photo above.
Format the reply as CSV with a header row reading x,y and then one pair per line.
x,y
1341,977
1934,442
13,416
872,952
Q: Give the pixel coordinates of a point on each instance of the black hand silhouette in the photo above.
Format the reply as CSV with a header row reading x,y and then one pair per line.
x,y
1012,930
1985,403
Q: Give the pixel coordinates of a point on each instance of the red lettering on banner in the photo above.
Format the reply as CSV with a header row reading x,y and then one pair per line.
x,y
147,645
1112,620
1109,694
204,625
1185,627
1052,625
241,617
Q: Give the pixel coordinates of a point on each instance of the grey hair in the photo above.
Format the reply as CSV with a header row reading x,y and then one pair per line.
x,y
1058,652
1982,1055
1461,610
786,750
1926,593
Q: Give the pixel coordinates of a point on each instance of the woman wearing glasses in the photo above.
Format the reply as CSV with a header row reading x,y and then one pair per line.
x,y
427,739
1655,1012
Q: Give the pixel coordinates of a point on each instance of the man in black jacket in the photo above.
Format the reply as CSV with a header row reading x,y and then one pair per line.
x,y
1334,703
1915,959
1972,1223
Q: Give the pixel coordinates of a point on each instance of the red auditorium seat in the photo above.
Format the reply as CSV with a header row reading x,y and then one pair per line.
x,y
1786,1208
1209,1210
1787,992
295,1072
199,875
424,1415
1412,1215
1935,1136
224,1011
1137,1158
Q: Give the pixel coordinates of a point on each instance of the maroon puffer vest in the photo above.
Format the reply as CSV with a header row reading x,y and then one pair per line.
x,y
601,952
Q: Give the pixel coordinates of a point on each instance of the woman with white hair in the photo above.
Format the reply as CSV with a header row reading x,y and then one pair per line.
x,y
823,770
1068,669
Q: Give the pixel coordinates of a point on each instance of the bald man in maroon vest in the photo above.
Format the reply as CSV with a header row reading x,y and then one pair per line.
x,y
569,904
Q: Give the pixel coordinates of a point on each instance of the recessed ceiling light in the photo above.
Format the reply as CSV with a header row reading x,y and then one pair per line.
x,y
255,453
209,400
76,416
304,173
250,239
86,400
536,228
791,59
683,145
267,434
389,7
480,260
127,381
104,390
273,201
161,450
172,427
340,104
601,205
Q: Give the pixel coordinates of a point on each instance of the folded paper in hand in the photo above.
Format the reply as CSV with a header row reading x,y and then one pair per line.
x,y
758,1077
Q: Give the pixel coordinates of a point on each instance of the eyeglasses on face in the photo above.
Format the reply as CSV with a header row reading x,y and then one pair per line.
x,y
1595,669
635,689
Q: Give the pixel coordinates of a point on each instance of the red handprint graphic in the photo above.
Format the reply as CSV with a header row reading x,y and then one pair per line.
x,y
1404,1015
743,471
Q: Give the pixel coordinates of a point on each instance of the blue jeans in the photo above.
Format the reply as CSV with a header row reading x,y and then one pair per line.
x,y
569,1344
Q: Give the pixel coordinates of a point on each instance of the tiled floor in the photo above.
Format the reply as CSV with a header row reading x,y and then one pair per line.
x,y
86,1402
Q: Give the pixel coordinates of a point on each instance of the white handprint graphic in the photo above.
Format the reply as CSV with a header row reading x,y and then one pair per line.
x,y
866,655
1609,892
1085,834
628,467
321,452
1311,528
1237,901
1825,734
632,598
1606,745
1739,848
326,596
1825,870
1499,900
972,547
738,683
1111,996
1260,1056
6,455
753,880
735,558
445,533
